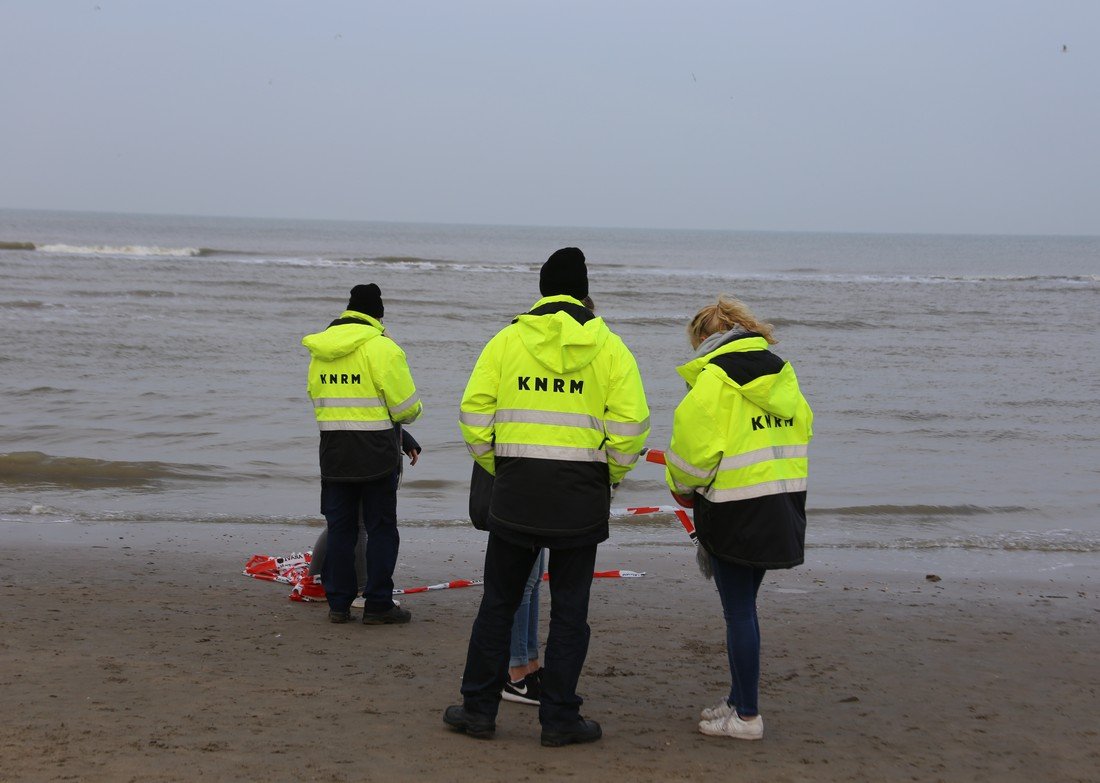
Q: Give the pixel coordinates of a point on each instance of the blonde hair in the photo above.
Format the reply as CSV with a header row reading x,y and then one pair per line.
x,y
724,315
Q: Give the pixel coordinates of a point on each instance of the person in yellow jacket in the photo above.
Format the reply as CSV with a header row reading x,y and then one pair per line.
x,y
556,412
739,456
362,391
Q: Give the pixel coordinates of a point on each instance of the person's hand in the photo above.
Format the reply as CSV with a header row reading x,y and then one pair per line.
x,y
414,455
686,502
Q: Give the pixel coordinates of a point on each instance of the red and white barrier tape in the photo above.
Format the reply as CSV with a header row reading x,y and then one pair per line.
x,y
657,456
441,586
679,513
613,574
294,570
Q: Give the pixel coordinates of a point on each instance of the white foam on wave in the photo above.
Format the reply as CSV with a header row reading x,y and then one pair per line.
x,y
433,265
1067,541
858,278
413,264
261,260
404,265
142,251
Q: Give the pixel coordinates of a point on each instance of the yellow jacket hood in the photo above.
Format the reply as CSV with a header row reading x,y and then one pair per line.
x,y
342,339
776,393
557,341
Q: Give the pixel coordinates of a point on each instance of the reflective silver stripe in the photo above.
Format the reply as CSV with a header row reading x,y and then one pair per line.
x,y
623,459
527,416
765,454
347,402
477,449
755,491
404,406
476,419
550,452
674,458
628,428
682,489
330,426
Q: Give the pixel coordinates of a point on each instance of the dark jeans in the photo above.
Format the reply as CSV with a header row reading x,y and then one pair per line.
x,y
507,568
342,503
738,586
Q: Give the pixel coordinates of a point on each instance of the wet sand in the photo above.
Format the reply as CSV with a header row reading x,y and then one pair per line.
x,y
133,652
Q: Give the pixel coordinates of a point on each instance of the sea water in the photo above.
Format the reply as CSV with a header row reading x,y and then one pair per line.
x,y
151,367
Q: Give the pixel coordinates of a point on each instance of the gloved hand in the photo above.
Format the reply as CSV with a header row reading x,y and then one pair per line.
x,y
686,502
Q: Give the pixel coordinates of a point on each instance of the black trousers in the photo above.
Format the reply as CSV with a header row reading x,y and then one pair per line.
x,y
507,567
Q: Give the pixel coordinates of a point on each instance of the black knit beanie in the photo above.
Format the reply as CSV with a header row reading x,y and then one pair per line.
x,y
564,273
367,299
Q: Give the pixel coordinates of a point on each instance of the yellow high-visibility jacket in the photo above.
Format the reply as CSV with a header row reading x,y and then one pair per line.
x,y
361,386
740,441
555,408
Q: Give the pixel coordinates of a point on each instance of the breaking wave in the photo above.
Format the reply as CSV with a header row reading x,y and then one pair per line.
x,y
139,251
844,323
33,468
1017,541
610,268
412,263
919,511
653,530
28,304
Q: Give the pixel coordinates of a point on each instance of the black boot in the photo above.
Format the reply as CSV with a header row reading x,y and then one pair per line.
x,y
480,726
582,731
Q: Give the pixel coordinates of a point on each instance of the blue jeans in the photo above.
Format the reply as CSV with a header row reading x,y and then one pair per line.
x,y
738,586
341,503
525,626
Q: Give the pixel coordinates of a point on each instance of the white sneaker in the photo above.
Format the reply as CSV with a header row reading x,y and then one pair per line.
x,y
734,726
719,710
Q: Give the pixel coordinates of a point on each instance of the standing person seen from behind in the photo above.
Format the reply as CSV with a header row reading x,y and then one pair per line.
x,y
524,672
739,456
411,448
361,386
556,411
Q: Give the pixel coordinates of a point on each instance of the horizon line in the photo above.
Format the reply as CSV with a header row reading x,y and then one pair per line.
x,y
544,226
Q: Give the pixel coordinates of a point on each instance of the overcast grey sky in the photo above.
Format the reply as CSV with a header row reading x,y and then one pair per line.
x,y
923,116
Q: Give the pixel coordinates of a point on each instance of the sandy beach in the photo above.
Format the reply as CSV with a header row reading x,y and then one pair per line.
x,y
134,652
